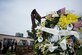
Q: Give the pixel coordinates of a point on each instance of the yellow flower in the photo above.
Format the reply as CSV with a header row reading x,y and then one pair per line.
x,y
43,23
69,19
63,21
39,33
72,17
50,19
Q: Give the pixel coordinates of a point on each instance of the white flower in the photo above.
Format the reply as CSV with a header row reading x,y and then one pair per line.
x,y
43,22
40,39
70,11
67,12
63,44
42,50
56,27
52,48
69,27
54,38
54,14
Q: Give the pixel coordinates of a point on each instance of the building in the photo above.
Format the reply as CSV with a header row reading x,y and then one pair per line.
x,y
19,34
15,38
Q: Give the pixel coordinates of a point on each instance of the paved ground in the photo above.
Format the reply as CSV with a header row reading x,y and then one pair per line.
x,y
1,54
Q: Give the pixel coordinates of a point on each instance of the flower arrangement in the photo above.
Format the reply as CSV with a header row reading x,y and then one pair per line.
x,y
57,26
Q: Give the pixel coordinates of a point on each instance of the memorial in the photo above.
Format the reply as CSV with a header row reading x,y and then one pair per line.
x,y
56,33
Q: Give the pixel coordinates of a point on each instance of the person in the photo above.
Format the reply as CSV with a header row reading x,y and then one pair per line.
x,y
12,43
20,43
0,45
8,44
15,44
4,47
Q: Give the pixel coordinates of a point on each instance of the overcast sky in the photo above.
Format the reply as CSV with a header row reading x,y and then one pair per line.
x,y
15,14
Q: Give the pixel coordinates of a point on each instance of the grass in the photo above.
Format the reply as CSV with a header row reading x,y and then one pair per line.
x,y
79,52
10,53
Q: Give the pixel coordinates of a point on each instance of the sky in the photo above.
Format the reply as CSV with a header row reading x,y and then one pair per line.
x,y
15,14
